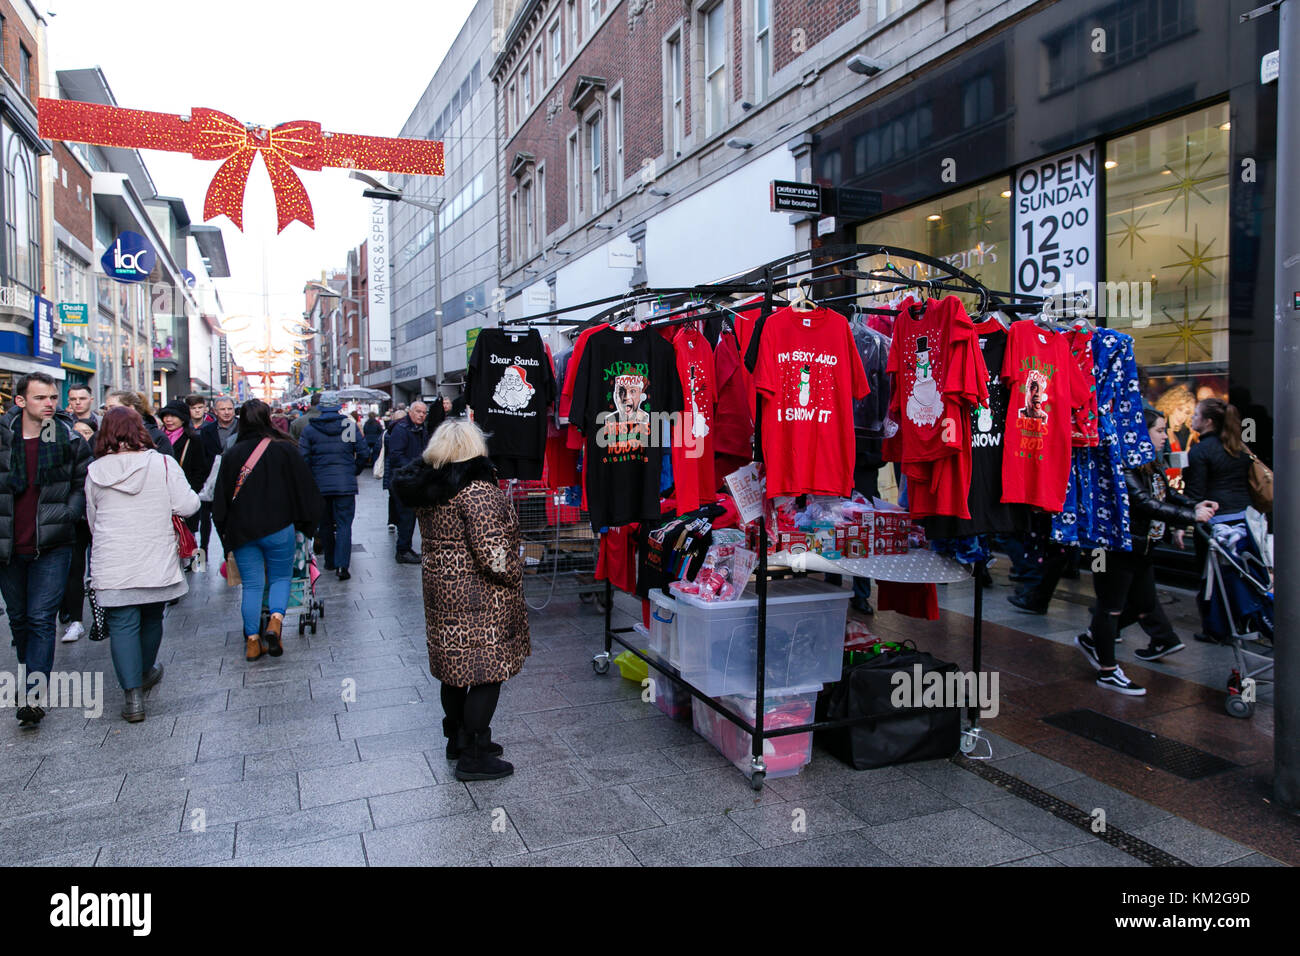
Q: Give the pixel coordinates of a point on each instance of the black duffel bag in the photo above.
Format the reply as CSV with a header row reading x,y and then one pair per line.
x,y
892,735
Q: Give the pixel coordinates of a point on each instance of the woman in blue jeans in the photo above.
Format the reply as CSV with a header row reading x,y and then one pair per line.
x,y
132,492
265,492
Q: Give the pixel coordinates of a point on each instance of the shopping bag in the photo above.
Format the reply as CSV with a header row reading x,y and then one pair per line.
x,y
98,618
230,570
379,463
209,488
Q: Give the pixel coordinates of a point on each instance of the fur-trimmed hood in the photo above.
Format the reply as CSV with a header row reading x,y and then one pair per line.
x,y
419,486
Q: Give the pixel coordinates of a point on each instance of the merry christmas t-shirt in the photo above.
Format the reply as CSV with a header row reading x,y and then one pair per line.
x,y
809,373
1046,388
509,386
623,380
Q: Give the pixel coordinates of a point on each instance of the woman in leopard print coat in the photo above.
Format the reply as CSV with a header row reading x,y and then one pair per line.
x,y
476,622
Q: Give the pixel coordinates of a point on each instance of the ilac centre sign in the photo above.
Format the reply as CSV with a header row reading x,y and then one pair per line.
x,y
130,258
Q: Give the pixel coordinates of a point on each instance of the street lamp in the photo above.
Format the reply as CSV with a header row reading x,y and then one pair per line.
x,y
325,290
378,190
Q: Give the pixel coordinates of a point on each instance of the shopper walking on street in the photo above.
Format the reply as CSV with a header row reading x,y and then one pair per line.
x,y
265,493
131,494
43,466
217,438
187,448
1218,470
295,430
137,401
333,448
374,435
475,618
1127,579
74,595
79,405
405,445
198,406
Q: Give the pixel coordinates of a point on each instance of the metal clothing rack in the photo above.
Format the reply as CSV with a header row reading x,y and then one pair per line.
x,y
768,280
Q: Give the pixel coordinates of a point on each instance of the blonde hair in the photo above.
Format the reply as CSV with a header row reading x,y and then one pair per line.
x,y
456,439
136,400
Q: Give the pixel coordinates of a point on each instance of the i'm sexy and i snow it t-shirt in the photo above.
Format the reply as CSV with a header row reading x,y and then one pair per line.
x,y
1046,389
809,372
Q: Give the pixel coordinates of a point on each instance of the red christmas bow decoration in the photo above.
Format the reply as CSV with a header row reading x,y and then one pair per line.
x,y
211,134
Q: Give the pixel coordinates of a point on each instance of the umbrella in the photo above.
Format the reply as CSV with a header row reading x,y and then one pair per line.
x,y
356,393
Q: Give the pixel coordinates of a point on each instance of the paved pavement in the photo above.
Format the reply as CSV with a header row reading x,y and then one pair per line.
x,y
275,763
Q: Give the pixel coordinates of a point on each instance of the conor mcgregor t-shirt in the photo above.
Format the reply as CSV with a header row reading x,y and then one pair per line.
x,y
623,380
1046,388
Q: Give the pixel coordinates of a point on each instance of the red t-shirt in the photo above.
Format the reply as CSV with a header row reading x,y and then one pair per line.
x,y
1046,388
809,372
939,373
734,434
1084,430
693,476
573,438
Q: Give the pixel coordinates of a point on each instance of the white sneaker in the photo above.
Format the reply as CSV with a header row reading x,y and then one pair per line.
x,y
73,632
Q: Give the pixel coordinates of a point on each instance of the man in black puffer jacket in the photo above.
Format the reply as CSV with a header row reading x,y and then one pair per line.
x,y
43,466
336,452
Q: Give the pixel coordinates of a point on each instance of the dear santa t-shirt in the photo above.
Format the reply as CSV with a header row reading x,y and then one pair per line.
x,y
809,372
510,385
1046,389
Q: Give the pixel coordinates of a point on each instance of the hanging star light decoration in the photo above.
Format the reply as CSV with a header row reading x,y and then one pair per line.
x,y
1184,333
1184,185
211,134
1196,260
1132,231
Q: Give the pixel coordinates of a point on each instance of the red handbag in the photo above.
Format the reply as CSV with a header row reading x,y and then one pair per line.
x,y
185,543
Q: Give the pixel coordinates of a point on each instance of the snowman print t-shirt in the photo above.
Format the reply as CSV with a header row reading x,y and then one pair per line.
x,y
808,372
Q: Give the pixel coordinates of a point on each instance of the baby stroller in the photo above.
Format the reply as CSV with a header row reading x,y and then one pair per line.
x,y
1239,588
302,588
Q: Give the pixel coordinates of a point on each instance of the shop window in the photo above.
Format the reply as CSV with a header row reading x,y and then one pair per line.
x,y
762,48
715,72
977,101
675,85
971,230
1167,192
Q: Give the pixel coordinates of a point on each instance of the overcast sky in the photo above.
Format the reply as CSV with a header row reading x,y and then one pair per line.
x,y
355,68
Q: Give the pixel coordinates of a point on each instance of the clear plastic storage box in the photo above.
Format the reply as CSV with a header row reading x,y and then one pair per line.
x,y
669,696
717,642
782,756
663,628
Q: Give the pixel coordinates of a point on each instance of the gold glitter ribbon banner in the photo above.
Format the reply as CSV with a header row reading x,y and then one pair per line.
x,y
211,134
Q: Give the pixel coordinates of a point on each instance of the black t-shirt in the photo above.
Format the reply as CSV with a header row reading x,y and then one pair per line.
x,y
988,515
623,380
510,385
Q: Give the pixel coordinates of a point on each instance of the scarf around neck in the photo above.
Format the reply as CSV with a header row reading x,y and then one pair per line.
x,y
50,454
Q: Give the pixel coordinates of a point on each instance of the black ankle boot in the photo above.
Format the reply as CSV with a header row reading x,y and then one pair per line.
x,y
458,741
477,763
